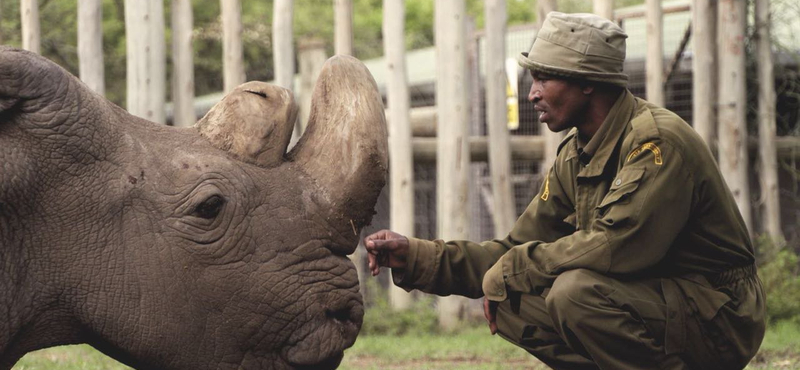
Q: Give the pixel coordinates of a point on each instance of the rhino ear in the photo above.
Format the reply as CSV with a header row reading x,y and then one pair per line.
x,y
28,77
253,123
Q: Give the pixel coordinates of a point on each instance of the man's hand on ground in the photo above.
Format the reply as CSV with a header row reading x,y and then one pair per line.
x,y
386,249
490,312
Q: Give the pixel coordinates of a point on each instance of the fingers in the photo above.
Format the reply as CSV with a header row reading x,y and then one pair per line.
x,y
379,235
374,269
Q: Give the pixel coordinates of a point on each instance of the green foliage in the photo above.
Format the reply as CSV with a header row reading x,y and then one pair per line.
x,y
381,319
780,275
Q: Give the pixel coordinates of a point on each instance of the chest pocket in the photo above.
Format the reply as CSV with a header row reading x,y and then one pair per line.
x,y
626,182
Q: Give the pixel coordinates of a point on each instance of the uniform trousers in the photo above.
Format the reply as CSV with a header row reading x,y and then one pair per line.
x,y
587,320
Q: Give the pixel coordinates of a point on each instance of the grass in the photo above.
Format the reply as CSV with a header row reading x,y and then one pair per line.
x,y
470,348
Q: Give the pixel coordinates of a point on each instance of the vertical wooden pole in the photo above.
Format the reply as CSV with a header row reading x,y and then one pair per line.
x,y
343,23
604,8
551,139
233,57
31,36
283,51
654,62
731,22
766,125
282,46
90,45
504,213
182,63
704,69
452,164
401,165
146,58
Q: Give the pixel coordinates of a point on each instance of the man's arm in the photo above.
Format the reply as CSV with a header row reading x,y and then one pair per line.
x,y
458,267
633,229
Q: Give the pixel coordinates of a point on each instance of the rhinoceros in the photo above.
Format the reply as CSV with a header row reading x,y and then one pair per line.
x,y
205,247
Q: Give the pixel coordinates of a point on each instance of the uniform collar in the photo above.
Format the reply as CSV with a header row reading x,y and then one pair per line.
x,y
610,131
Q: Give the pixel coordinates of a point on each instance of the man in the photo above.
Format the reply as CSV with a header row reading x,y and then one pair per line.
x,y
632,256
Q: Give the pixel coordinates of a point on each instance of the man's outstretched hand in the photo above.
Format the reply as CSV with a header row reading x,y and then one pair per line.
x,y
386,249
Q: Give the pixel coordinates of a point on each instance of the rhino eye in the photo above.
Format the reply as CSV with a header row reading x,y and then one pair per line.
x,y
209,208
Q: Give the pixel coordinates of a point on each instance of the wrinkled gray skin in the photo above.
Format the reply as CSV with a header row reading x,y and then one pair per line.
x,y
184,248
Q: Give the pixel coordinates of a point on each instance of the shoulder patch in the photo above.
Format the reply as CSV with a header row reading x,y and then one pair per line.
x,y
659,160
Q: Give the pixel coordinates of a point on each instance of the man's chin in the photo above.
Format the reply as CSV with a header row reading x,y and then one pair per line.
x,y
555,127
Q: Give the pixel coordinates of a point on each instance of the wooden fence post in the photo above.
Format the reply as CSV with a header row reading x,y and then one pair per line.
x,y
733,162
343,27
31,36
766,125
401,163
452,166
90,45
283,51
504,212
182,64
604,8
146,58
654,62
282,46
233,57
704,69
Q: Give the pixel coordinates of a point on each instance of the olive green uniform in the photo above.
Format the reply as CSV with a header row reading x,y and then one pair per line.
x,y
632,256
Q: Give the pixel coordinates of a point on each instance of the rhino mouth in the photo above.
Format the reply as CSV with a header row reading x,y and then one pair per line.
x,y
320,343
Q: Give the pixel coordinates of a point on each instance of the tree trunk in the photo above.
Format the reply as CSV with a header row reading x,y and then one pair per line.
x,y
654,62
401,165
146,58
31,36
90,45
453,163
604,8
551,139
233,57
766,125
182,64
704,64
732,103
343,23
503,213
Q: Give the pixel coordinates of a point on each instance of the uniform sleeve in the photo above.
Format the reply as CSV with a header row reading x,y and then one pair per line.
x,y
458,267
632,229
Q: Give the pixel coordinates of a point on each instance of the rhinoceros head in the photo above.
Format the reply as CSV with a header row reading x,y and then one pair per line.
x,y
185,248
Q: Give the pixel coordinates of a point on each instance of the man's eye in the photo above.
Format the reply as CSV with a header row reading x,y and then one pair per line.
x,y
209,208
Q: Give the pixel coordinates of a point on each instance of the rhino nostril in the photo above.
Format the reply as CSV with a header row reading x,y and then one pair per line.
x,y
341,315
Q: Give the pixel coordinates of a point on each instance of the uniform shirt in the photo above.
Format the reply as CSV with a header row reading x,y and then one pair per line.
x,y
650,202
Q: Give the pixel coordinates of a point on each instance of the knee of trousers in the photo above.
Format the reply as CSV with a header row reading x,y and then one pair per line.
x,y
576,294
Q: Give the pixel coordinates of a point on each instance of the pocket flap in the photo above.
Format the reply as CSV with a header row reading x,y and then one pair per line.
x,y
626,182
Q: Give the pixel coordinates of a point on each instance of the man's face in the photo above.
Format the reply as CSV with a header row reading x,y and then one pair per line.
x,y
561,103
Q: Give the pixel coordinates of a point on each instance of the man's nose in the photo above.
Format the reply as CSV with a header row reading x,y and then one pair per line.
x,y
534,94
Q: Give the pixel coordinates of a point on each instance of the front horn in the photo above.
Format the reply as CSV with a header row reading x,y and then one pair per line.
x,y
345,148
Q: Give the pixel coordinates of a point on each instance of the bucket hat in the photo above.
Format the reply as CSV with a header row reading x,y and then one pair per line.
x,y
582,46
